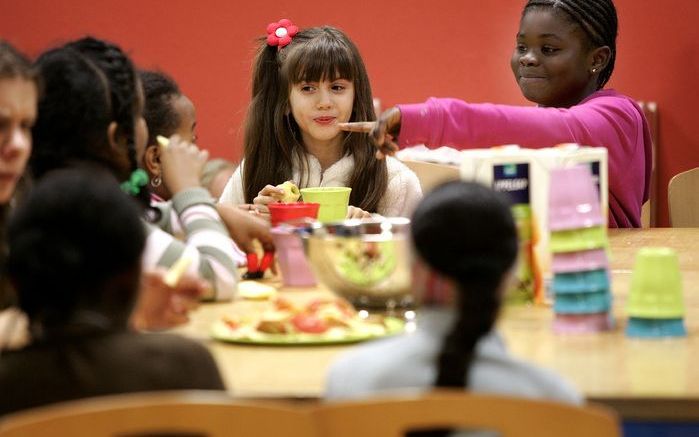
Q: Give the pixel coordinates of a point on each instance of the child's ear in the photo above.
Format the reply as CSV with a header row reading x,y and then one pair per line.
x,y
113,135
151,159
599,58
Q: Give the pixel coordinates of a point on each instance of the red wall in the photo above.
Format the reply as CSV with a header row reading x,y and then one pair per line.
x,y
413,49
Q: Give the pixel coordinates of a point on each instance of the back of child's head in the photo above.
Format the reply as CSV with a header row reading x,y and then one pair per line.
x,y
597,18
314,54
159,91
88,84
466,232
76,244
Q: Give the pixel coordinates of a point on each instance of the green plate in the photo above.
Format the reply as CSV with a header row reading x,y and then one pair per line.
x,y
221,331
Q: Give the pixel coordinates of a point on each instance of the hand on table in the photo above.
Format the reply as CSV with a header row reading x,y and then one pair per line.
x,y
357,213
269,194
160,306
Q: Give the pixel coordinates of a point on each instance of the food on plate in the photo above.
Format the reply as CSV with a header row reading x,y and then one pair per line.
x,y
291,192
322,320
255,290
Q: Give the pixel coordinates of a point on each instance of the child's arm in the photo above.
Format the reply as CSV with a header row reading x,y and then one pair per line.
x,y
215,256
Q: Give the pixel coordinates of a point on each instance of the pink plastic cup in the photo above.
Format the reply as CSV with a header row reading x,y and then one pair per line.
x,y
582,323
583,261
291,258
281,212
573,199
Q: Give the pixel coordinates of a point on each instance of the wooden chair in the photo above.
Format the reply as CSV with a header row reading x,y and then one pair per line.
x,y
683,199
176,414
431,174
511,417
649,214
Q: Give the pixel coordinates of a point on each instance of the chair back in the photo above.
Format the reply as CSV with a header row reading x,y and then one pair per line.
x,y
649,210
683,199
510,417
176,414
431,174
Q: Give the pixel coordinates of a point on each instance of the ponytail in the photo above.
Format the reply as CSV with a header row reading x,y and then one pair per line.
x,y
266,159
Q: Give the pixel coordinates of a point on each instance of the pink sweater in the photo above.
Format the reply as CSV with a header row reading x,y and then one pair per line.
x,y
605,118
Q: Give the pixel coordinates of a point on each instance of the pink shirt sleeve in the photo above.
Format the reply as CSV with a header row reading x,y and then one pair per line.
x,y
605,119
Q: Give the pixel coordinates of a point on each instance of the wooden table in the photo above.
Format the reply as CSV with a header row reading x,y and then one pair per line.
x,y
640,378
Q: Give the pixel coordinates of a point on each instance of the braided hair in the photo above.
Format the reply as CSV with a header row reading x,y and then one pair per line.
x,y
123,87
597,18
159,91
476,258
89,84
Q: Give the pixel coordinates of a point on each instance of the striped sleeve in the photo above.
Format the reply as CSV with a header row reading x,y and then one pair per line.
x,y
192,216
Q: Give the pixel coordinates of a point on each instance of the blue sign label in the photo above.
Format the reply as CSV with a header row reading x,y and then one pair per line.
x,y
512,179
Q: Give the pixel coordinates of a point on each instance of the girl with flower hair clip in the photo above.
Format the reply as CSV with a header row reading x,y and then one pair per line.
x,y
304,83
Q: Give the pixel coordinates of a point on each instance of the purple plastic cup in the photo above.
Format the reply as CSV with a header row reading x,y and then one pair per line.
x,y
586,260
582,323
573,199
291,258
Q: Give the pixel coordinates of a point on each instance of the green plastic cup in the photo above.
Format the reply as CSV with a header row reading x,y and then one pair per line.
x,y
578,239
656,285
333,201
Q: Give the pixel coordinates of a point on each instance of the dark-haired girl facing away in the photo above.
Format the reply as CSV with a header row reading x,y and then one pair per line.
x,y
91,111
564,55
75,259
455,344
300,92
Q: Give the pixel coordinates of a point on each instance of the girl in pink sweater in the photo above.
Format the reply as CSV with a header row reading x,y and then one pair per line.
x,y
564,55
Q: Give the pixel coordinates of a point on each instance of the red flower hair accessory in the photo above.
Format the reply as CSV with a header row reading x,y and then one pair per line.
x,y
279,34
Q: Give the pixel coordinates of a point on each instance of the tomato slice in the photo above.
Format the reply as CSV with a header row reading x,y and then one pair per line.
x,y
309,323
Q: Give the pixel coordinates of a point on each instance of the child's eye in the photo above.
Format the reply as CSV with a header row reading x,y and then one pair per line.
x,y
521,48
307,88
547,50
338,87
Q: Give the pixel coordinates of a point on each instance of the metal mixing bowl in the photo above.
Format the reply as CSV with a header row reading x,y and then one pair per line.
x,y
368,261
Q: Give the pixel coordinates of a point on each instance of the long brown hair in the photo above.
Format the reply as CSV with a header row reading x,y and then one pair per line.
x,y
272,137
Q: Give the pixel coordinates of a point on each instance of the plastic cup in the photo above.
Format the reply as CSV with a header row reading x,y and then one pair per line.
x,y
333,201
573,199
656,285
281,212
291,258
579,261
653,328
582,323
582,303
576,240
581,282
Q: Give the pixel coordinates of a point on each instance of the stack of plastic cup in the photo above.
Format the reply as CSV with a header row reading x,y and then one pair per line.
x,y
655,304
291,258
581,286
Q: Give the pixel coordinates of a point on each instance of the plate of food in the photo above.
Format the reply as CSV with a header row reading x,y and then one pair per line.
x,y
322,321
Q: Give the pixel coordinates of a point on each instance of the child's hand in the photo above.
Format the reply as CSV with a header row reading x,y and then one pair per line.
x,y
382,132
182,164
269,194
160,306
245,227
357,213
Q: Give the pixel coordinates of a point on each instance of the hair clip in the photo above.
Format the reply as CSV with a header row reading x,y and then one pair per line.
x,y
138,179
279,34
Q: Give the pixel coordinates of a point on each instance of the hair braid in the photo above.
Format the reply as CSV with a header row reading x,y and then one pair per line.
x,y
123,83
597,18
